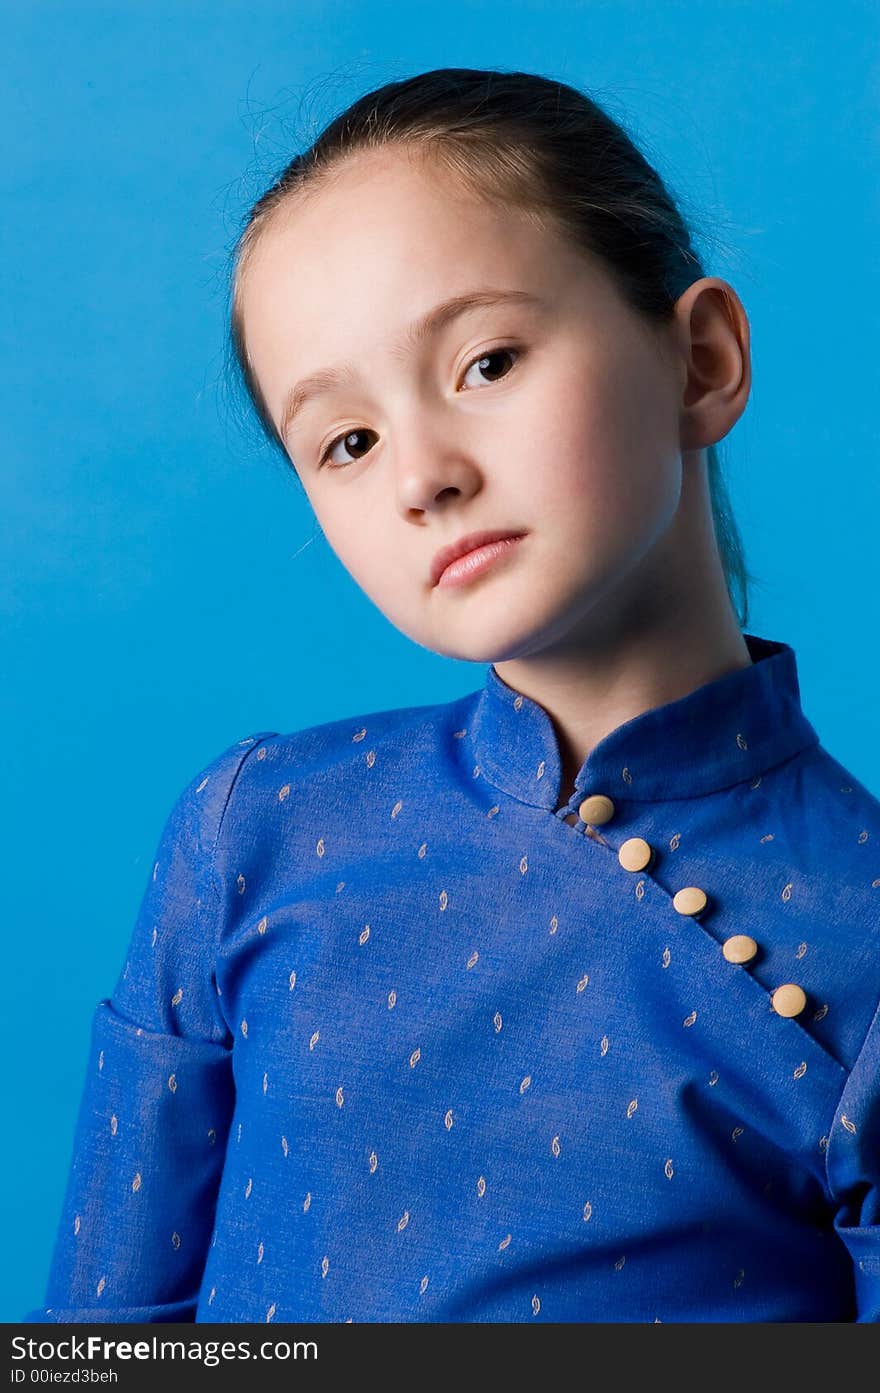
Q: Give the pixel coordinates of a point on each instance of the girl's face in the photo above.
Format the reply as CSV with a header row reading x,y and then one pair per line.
x,y
555,414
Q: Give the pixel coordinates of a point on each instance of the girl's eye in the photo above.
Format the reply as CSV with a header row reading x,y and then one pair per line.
x,y
487,362
340,440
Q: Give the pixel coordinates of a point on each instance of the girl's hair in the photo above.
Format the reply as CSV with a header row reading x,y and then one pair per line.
x,y
544,148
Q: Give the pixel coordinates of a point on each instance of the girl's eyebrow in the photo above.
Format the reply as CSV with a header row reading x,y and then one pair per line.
x,y
326,379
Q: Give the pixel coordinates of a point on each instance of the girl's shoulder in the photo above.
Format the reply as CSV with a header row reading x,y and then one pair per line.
x,y
395,737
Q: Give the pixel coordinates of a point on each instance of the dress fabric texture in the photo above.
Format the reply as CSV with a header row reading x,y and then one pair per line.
x,y
394,1041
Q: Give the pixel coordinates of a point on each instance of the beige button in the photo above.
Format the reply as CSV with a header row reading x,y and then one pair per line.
x,y
596,809
690,900
789,999
739,949
635,854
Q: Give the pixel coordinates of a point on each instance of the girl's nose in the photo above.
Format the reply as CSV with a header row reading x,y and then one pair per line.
x,y
433,463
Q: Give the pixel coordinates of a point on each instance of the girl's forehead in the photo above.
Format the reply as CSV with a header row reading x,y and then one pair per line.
x,y
401,234
326,287
349,267
387,200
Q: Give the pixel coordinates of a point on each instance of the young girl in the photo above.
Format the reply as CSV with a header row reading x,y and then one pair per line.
x,y
556,1002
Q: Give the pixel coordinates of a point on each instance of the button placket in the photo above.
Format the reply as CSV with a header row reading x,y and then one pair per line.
x,y
636,855
691,901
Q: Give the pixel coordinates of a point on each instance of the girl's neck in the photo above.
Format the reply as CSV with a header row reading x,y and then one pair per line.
x,y
670,629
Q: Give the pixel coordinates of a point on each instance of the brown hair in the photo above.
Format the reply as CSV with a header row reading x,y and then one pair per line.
x,y
546,149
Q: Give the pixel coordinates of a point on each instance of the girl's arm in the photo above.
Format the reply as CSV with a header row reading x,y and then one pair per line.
x,y
852,1159
157,1102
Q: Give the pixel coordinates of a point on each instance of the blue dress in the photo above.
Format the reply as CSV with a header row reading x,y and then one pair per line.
x,y
401,1037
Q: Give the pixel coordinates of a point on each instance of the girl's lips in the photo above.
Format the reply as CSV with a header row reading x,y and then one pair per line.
x,y
475,562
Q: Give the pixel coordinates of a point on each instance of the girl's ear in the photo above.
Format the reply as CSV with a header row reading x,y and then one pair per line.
x,y
712,330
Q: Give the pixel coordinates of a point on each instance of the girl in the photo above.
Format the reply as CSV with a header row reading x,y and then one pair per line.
x,y
556,1002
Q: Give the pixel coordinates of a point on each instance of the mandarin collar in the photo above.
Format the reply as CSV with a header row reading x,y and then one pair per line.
x,y
725,732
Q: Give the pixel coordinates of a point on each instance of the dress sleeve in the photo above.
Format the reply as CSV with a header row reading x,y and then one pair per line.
x,y
852,1159
157,1101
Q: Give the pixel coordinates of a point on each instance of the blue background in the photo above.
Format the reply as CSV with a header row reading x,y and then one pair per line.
x,y
165,588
